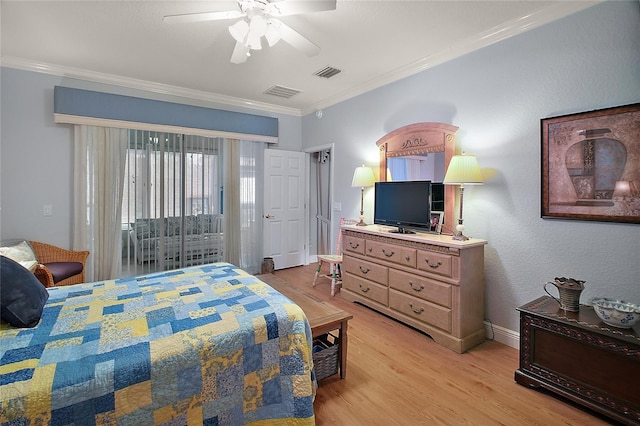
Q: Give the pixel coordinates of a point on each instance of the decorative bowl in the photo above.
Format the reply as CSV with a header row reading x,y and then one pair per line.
x,y
616,313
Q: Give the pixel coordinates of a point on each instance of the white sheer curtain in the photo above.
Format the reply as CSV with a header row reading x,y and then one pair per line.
x,y
231,201
99,160
251,180
407,168
414,169
243,203
398,168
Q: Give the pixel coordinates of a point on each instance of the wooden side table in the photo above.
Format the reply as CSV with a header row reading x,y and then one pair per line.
x,y
576,355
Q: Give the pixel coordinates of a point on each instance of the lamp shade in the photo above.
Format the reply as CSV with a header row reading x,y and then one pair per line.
x,y
363,176
463,170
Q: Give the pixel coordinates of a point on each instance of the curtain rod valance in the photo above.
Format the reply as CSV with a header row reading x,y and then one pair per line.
x,y
76,106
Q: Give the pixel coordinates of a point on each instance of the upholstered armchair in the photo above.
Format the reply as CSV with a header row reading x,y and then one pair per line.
x,y
58,266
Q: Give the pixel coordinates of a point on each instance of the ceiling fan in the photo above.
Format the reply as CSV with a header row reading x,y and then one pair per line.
x,y
259,19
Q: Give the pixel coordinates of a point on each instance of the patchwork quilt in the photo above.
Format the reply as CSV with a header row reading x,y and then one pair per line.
x,y
209,345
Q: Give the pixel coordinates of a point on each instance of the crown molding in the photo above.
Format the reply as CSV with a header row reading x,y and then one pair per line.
x,y
501,32
150,86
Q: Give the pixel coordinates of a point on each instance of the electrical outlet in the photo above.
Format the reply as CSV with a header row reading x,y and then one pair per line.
x,y
47,210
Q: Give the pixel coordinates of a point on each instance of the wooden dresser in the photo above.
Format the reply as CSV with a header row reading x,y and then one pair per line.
x,y
579,357
427,281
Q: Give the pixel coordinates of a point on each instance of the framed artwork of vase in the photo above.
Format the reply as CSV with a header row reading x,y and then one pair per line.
x,y
591,165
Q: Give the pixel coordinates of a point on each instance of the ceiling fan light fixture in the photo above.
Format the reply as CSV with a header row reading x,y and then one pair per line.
x,y
258,25
257,29
253,41
273,32
239,31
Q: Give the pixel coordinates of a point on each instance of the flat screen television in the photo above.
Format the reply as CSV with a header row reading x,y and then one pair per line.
x,y
405,205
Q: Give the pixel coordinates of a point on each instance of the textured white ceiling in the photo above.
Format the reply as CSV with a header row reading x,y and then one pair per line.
x,y
372,42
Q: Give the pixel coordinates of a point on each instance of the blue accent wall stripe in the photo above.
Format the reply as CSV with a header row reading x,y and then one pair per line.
x,y
86,103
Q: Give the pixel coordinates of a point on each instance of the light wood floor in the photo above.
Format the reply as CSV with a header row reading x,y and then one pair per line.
x,y
399,376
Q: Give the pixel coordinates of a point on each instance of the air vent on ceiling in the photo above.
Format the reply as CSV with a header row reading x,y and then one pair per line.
x,y
281,91
327,72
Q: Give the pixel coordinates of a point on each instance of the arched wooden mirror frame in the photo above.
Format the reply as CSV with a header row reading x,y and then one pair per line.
x,y
423,138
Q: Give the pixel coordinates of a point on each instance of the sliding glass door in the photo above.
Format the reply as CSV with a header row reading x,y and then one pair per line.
x,y
172,209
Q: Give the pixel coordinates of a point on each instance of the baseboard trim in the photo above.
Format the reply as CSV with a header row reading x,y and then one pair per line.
x,y
502,335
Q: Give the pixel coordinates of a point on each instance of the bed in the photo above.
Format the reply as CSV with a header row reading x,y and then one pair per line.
x,y
207,344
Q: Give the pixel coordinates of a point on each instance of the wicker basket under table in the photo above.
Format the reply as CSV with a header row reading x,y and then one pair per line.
x,y
325,356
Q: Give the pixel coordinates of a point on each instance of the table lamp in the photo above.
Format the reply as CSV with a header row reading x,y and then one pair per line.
x,y
362,177
463,170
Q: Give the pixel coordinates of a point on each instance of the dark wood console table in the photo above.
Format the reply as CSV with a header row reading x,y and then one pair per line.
x,y
576,355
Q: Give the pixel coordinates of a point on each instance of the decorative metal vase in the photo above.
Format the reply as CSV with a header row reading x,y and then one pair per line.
x,y
569,290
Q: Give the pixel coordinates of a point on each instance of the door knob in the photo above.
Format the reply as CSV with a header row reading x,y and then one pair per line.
x,y
268,216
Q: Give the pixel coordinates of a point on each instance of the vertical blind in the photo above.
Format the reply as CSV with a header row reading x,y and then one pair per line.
x,y
172,210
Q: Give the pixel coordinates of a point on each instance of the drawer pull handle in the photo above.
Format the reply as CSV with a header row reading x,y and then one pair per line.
x,y
407,258
354,246
433,265
416,288
388,254
416,311
370,249
364,270
364,289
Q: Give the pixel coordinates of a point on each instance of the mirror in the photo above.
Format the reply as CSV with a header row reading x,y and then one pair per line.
x,y
417,167
417,140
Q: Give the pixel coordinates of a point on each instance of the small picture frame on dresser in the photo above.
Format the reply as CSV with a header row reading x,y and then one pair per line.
x,y
436,222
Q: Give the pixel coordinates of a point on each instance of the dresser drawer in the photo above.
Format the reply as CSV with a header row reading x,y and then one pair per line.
x,y
353,244
437,263
408,257
383,251
423,288
365,288
367,270
420,310
392,253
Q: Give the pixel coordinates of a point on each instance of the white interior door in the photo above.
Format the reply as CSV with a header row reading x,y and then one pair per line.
x,y
284,207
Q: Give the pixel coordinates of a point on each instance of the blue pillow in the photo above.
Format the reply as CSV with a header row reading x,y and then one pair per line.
x,y
22,296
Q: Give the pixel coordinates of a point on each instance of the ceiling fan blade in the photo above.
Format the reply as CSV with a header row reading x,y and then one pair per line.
x,y
204,16
239,54
296,40
295,7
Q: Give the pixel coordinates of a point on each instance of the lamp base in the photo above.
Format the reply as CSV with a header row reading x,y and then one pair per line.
x,y
361,223
458,233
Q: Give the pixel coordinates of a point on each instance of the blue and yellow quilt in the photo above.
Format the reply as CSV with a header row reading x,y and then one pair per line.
x,y
202,345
